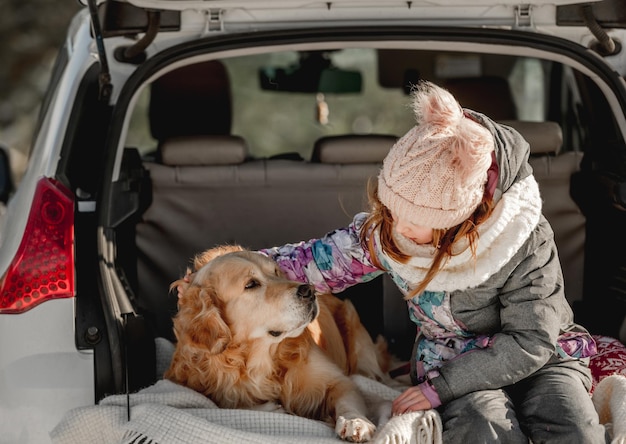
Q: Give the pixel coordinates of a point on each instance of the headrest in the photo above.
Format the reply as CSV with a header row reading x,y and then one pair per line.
x,y
489,95
350,149
190,101
543,137
204,150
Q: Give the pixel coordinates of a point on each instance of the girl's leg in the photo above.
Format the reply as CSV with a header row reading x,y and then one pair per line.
x,y
481,417
554,406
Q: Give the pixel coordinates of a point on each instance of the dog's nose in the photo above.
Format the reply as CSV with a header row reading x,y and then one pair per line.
x,y
305,292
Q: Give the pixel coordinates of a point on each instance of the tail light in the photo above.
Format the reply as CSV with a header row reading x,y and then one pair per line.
x,y
43,267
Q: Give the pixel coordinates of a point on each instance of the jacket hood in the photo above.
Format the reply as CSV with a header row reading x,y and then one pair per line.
x,y
512,151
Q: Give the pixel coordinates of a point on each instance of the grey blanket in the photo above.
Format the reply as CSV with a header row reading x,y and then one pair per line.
x,y
167,413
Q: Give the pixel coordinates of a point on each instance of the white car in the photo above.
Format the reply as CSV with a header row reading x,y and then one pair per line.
x,y
171,126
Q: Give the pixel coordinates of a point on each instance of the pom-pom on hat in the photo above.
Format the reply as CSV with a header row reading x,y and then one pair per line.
x,y
434,176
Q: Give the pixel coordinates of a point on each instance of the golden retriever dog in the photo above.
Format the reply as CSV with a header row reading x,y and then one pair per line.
x,y
247,337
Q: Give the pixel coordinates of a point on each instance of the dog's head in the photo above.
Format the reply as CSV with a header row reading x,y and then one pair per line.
x,y
239,295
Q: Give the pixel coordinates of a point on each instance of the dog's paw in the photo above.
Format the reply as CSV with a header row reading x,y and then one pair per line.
x,y
355,429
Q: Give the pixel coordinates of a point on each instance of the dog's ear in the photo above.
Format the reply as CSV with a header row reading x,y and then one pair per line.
x,y
207,256
181,285
199,321
198,261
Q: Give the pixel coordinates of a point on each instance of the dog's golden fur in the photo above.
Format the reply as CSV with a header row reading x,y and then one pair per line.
x,y
247,336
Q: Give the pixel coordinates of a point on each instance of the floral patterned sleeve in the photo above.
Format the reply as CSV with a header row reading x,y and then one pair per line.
x,y
332,263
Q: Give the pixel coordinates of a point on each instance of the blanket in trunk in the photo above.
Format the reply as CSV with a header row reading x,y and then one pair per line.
x,y
168,413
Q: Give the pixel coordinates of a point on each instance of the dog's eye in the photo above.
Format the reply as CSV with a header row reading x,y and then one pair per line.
x,y
275,333
252,283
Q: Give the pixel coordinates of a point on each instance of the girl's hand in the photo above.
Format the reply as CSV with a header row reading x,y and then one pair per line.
x,y
412,400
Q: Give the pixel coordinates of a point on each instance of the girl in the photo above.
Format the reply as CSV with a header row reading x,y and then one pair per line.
x,y
456,221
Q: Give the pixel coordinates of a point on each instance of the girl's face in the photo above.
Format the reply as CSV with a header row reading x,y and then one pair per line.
x,y
417,233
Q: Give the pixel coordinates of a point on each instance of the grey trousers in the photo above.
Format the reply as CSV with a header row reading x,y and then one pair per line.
x,y
551,406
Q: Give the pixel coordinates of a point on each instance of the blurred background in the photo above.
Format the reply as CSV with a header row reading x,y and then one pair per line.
x,y
31,32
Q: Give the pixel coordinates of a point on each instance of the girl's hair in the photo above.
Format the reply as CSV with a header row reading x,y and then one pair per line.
x,y
444,239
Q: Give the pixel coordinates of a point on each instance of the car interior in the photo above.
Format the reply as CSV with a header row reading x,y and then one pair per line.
x,y
202,176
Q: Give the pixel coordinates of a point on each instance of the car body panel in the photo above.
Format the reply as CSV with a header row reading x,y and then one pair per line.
x,y
42,374
438,8
46,150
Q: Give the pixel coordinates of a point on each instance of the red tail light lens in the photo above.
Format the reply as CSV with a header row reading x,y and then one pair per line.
x,y
43,267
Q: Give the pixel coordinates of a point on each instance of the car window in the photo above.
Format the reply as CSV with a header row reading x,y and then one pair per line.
x,y
528,88
279,122
275,123
292,118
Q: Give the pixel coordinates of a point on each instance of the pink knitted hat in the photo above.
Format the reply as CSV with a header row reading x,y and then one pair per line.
x,y
435,175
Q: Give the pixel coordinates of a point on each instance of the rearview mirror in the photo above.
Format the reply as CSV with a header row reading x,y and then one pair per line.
x,y
314,73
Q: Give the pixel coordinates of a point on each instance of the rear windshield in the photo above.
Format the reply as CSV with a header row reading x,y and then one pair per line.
x,y
280,122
